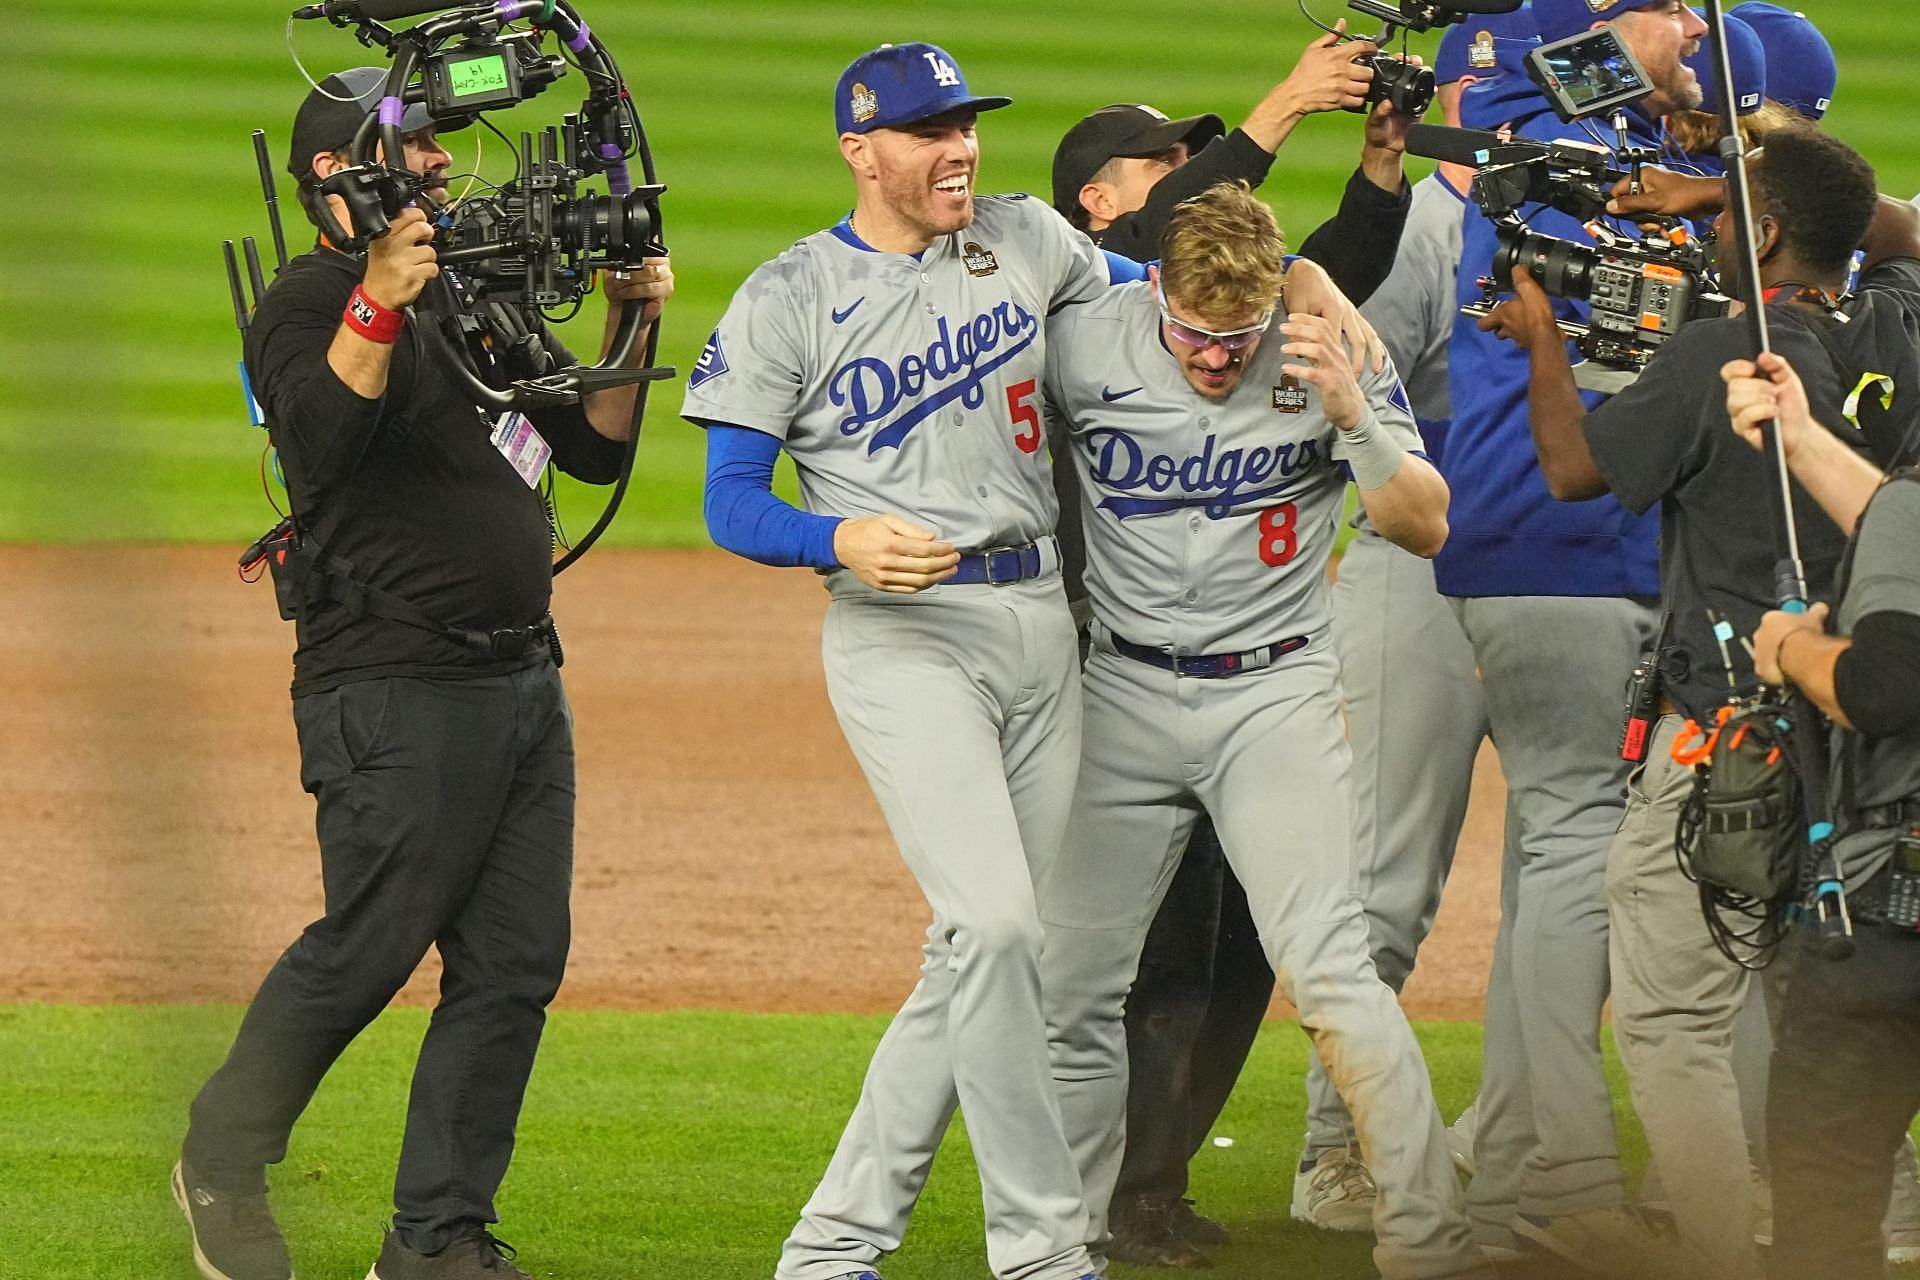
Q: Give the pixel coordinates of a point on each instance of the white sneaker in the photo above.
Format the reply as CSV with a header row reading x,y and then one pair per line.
x,y
1612,1242
1335,1192
1460,1135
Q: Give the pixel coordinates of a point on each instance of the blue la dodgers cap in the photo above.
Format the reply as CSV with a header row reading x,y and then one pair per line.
x,y
1749,58
1801,69
1472,48
898,84
1558,19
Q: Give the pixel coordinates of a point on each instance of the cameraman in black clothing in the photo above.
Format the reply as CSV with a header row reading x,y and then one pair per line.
x,y
438,748
1664,441
1119,172
1843,1089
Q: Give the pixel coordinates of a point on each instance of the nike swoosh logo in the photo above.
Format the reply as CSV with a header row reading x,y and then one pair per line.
x,y
1110,395
840,317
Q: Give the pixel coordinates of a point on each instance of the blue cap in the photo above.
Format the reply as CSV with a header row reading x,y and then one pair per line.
x,y
1749,59
1801,70
1473,47
898,84
1558,19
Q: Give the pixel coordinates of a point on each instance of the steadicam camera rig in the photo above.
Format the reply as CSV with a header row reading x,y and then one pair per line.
x,y
1396,79
520,250
1642,288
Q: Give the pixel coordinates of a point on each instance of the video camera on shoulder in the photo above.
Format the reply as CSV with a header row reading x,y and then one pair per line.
x,y
1396,80
1642,288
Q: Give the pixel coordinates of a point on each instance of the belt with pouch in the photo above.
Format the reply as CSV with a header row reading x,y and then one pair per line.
x,y
999,566
1208,665
1901,814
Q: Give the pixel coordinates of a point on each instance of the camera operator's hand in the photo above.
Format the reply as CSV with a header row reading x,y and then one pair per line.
x,y
1526,318
1325,79
891,553
1383,158
1763,391
400,263
1776,627
1316,357
650,282
1311,291
1682,195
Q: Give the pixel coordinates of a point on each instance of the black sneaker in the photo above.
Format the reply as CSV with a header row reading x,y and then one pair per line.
x,y
234,1235
475,1255
1144,1236
1196,1228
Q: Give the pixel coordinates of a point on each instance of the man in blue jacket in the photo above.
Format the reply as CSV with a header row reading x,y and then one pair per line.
x,y
1557,603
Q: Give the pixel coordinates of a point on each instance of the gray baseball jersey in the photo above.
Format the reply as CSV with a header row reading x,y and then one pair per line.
x,y
903,384
1420,289
1196,505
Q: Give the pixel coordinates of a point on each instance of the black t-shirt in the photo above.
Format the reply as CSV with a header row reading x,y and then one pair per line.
x,y
1356,246
408,489
1667,439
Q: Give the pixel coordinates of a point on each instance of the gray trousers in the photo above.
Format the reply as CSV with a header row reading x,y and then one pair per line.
x,y
1415,719
1263,753
1676,1000
1552,668
962,705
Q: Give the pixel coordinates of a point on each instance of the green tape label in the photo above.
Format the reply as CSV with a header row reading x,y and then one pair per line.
x,y
477,75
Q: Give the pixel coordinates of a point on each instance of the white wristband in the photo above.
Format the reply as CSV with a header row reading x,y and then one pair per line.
x,y
1371,457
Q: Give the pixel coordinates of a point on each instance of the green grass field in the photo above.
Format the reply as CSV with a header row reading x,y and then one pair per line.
x,y
120,416
652,1146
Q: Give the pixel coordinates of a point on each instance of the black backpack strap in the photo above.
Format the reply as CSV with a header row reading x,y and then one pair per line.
x,y
1882,406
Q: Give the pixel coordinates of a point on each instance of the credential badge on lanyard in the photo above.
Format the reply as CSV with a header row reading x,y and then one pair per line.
x,y
523,447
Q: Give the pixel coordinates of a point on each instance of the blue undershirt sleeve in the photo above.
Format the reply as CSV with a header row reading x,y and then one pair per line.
x,y
1123,270
744,516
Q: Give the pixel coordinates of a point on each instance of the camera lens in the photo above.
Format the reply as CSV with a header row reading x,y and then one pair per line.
x,y
1407,87
1563,268
597,225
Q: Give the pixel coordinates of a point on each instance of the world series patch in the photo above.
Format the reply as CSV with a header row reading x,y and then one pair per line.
x,y
1482,54
1290,396
865,104
979,259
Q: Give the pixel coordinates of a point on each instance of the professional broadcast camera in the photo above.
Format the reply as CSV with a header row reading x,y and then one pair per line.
x,y
1642,288
521,250
1396,80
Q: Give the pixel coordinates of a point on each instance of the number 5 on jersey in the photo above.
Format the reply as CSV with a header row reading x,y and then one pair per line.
x,y
1024,415
1279,534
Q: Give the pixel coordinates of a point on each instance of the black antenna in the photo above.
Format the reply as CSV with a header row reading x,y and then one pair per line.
x,y
240,315
253,269
272,196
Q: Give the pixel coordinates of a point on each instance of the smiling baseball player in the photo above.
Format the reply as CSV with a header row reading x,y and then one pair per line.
x,y
1210,440
896,356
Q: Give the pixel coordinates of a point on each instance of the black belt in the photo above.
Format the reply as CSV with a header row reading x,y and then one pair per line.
x,y
997,566
508,643
1901,813
1210,664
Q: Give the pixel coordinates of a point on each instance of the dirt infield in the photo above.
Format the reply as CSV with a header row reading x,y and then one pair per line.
x,y
159,848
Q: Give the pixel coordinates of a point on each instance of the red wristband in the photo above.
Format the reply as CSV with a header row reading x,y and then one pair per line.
x,y
371,320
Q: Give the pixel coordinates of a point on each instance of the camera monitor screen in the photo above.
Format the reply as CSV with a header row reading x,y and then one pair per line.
x,y
1588,74
486,74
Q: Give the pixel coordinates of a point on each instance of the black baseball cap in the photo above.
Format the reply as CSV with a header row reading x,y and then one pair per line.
x,y
332,113
1128,129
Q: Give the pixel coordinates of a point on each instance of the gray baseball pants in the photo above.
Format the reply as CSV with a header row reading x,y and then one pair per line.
x,y
1264,754
1552,668
962,705
1415,718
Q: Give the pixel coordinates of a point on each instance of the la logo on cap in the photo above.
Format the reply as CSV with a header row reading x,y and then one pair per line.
x,y
864,105
943,71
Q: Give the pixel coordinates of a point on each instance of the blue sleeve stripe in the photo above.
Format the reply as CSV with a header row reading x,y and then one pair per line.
x,y
1123,270
745,517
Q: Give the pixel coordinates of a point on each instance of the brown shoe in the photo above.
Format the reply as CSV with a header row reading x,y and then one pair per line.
x,y
1144,1235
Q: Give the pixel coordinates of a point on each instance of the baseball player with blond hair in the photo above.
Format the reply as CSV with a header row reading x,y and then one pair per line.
x,y
1214,440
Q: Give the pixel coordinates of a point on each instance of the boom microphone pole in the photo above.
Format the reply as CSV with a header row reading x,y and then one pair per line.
x,y
1789,573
